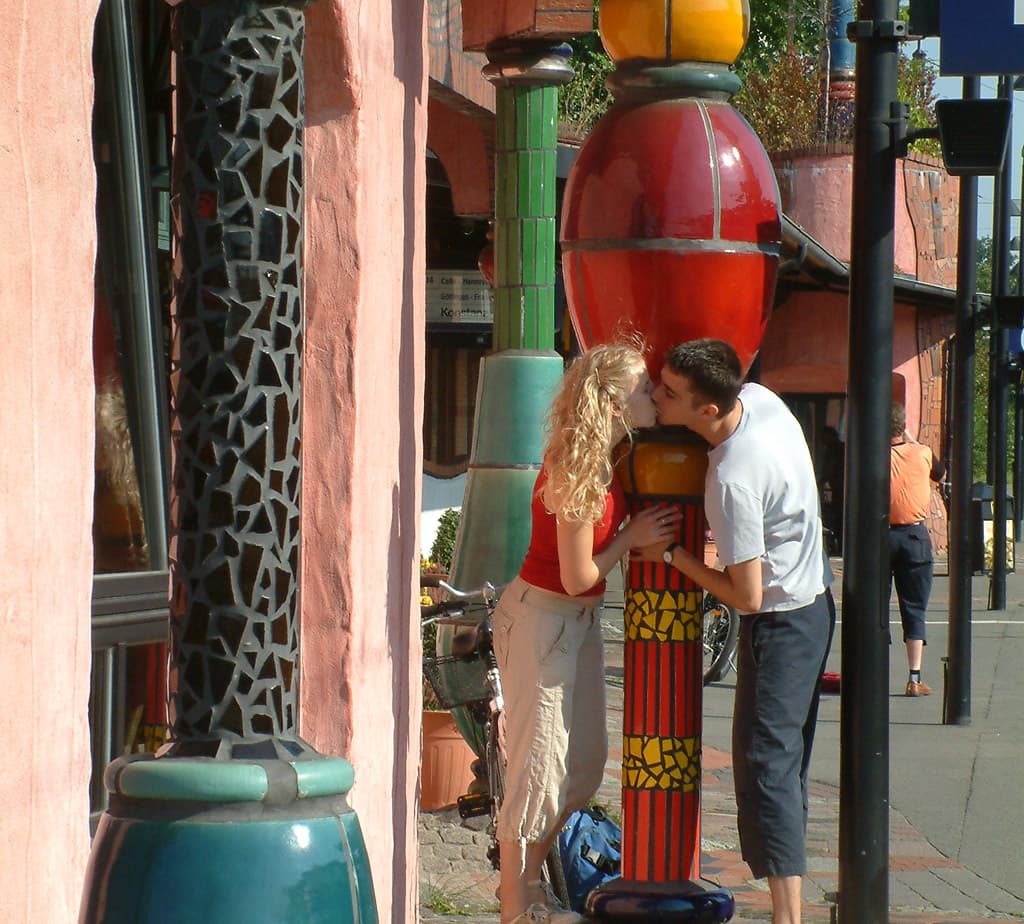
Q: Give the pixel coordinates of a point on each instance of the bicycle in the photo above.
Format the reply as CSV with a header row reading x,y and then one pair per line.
x,y
721,630
468,677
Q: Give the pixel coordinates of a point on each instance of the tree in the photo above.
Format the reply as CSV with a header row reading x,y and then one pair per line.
x,y
585,99
782,67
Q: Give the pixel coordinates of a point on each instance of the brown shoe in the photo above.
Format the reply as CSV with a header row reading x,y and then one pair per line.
x,y
918,689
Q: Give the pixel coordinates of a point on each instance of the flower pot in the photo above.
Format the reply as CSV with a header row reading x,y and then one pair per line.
x,y
446,764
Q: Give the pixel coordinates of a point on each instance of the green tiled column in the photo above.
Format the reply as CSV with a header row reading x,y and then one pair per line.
x,y
518,380
526,138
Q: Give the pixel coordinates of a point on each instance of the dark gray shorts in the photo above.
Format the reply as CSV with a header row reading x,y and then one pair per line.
x,y
910,562
778,681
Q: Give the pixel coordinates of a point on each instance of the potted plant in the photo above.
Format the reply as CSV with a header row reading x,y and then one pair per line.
x,y
446,762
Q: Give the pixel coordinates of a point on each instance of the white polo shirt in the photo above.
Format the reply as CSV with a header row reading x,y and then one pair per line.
x,y
762,501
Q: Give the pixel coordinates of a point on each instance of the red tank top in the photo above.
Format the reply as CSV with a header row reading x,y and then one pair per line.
x,y
540,567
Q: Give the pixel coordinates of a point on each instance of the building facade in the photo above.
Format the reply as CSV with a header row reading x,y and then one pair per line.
x,y
399,187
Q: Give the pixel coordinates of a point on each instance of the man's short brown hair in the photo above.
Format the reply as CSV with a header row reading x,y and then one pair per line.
x,y
898,420
713,368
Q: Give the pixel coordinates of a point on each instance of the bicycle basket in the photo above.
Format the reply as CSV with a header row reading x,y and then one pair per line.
x,y
457,681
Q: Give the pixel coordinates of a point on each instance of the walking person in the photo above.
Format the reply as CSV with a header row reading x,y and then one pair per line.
x,y
547,627
761,502
912,469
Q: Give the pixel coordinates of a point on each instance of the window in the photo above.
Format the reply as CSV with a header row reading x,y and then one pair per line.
x,y
131,118
449,403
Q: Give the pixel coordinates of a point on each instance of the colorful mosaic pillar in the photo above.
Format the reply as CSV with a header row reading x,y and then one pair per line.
x,y
670,227
664,663
235,819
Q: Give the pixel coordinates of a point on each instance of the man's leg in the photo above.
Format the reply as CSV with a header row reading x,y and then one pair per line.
x,y
915,651
912,576
785,892
778,676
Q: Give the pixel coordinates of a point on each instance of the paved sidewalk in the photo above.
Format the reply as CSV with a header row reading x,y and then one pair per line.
x,y
956,836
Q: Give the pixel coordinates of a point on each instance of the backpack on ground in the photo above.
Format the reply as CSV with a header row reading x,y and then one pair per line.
x,y
590,846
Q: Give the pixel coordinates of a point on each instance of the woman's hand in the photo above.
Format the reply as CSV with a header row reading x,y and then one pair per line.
x,y
654,526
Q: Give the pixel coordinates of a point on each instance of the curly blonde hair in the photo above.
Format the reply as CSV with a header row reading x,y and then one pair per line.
x,y
589,418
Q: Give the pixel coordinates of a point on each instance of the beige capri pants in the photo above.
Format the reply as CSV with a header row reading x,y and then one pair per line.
x,y
551,660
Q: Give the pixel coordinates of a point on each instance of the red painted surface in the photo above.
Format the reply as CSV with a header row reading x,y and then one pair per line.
x,y
489,21
663,693
47,441
365,184
817,185
671,227
464,144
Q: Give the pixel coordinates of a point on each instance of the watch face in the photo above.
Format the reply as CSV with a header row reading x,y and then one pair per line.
x,y
666,556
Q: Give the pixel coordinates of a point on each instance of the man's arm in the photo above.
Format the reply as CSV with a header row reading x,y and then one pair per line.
x,y
739,586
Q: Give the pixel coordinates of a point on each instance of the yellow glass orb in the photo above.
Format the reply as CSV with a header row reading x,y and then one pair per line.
x,y
700,30
665,469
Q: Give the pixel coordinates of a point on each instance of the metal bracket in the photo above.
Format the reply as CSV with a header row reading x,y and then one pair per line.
x,y
902,138
876,29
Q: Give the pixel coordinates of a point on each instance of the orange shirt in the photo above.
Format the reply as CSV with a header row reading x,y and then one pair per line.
x,y
910,489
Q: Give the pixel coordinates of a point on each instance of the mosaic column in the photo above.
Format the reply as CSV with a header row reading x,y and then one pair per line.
x,y
518,380
671,227
235,819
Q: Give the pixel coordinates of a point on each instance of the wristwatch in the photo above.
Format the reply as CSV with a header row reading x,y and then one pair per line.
x,y
670,552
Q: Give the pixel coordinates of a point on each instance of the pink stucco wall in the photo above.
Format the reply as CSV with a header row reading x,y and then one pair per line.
x,y
366,78
47,250
816,189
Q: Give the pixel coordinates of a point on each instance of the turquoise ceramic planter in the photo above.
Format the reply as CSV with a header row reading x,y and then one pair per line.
x,y
197,853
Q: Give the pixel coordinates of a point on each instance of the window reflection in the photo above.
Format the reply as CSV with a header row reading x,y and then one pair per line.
x,y
131,131
119,535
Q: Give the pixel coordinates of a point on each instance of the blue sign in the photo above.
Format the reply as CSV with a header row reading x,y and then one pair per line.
x,y
979,38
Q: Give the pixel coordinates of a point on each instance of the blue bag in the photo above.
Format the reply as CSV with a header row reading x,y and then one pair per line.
x,y
590,845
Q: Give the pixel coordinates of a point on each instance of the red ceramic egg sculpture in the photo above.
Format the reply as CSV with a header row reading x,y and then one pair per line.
x,y
671,228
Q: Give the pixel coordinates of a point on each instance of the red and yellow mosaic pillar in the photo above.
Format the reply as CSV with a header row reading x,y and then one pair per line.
x,y
671,229
663,659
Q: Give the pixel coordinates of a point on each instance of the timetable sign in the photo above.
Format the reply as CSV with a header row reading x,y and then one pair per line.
x,y
459,297
981,38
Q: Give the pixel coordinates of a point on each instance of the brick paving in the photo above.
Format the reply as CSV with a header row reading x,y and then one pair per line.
x,y
925,886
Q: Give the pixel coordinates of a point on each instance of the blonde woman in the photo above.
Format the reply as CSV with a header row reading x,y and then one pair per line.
x,y
547,627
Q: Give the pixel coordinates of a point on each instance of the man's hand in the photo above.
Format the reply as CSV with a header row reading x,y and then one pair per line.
x,y
650,552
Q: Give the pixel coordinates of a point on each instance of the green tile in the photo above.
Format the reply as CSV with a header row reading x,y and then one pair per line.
x,y
549,124
528,235
550,184
524,110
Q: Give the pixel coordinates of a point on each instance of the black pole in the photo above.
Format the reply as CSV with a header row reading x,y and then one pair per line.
x,y
998,401
1018,452
956,703
864,729
1018,381
1018,406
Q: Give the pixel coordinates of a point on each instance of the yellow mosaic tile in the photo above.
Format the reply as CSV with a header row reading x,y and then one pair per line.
x,y
660,763
663,615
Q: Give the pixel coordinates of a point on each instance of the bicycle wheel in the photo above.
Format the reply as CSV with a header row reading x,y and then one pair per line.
x,y
554,872
721,628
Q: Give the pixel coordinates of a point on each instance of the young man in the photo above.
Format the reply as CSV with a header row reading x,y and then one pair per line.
x,y
912,469
762,506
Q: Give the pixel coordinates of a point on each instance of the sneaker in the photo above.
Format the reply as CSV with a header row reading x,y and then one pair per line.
x,y
541,914
918,689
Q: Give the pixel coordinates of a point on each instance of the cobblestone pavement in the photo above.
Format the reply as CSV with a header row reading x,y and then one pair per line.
x,y
925,885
